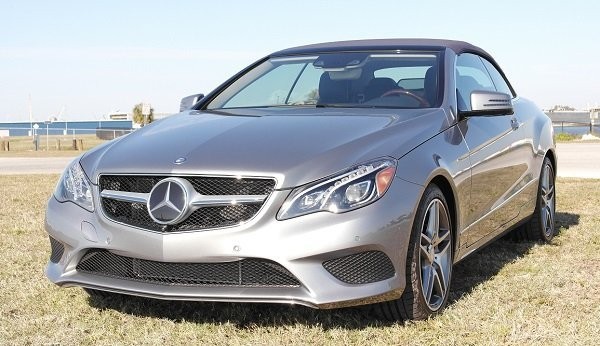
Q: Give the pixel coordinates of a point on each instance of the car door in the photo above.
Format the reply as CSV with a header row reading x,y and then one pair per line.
x,y
496,161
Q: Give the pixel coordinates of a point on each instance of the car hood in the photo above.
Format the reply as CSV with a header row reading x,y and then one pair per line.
x,y
293,146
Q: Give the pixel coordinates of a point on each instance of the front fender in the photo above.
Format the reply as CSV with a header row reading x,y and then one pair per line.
x,y
446,156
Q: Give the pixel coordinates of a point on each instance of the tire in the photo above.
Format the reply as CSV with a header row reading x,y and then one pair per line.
x,y
541,225
428,263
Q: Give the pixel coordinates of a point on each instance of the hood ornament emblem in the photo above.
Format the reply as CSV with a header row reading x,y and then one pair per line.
x,y
168,202
180,160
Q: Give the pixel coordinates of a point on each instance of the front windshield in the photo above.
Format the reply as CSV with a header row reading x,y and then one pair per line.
x,y
399,79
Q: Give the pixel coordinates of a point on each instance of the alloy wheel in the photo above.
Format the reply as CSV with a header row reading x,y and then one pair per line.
x,y
435,255
547,200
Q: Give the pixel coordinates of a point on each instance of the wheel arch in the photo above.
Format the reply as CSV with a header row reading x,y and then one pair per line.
x,y
551,154
443,183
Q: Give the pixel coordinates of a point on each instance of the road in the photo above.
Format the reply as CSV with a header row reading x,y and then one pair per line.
x,y
575,159
33,165
579,159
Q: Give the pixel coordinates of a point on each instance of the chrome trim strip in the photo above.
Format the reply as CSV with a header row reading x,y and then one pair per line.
x,y
197,200
124,196
200,201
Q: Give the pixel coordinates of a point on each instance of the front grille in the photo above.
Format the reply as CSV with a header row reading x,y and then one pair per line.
x,y
361,268
56,250
136,214
203,185
251,272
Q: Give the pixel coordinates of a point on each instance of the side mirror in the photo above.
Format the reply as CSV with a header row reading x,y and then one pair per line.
x,y
188,101
489,103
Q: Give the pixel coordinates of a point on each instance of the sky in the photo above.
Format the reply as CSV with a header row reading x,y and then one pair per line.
x,y
83,60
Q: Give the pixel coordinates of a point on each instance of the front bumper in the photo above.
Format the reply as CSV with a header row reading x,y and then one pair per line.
x,y
300,245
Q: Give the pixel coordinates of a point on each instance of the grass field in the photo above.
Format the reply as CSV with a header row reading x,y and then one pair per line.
x,y
508,293
23,146
566,137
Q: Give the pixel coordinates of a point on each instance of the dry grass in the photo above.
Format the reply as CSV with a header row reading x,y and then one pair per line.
x,y
508,293
23,146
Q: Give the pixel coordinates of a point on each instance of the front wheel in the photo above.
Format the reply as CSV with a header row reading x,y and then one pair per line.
x,y
541,224
428,264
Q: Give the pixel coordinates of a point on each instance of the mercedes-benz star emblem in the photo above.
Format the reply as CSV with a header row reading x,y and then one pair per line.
x,y
168,202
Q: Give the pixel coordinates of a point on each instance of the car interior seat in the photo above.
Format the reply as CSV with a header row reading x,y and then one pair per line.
x,y
379,86
333,91
430,85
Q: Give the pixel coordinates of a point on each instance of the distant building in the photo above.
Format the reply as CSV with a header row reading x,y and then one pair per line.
x,y
119,116
594,115
575,117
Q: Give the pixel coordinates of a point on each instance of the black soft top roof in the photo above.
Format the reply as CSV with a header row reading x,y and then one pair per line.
x,y
385,44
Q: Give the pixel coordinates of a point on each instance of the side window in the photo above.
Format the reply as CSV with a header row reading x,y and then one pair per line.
x,y
471,75
497,78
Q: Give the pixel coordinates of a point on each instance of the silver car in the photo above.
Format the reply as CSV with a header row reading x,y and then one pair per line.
x,y
328,175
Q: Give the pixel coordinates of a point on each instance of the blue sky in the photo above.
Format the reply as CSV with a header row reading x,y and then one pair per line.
x,y
96,57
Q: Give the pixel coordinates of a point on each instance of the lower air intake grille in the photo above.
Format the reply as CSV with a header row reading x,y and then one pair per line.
x,y
56,249
251,272
361,268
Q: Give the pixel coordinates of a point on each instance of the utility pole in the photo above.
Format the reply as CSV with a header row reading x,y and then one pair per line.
x,y
47,122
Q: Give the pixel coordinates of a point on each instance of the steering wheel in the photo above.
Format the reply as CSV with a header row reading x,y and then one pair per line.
x,y
399,92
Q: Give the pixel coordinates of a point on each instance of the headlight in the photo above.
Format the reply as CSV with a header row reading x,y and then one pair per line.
x,y
74,187
352,189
